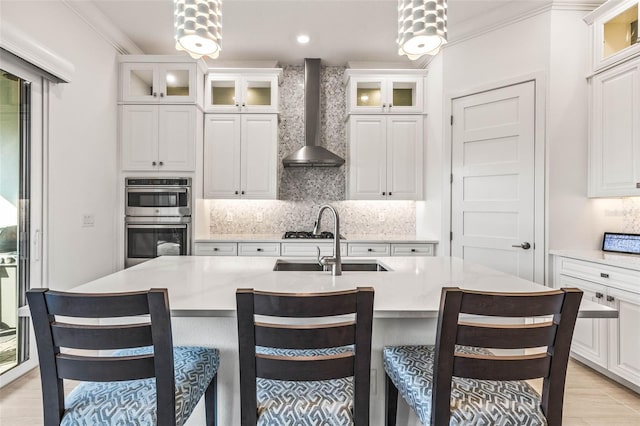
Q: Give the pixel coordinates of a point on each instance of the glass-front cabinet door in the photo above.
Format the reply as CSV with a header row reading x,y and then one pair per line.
x,y
242,92
158,83
614,28
373,94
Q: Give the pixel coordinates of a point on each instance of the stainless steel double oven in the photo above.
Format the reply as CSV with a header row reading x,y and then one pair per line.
x,y
157,218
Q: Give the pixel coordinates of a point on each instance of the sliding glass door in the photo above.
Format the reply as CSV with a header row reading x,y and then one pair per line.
x,y
21,206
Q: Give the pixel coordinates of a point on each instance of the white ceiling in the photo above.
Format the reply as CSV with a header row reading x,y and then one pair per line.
x,y
265,30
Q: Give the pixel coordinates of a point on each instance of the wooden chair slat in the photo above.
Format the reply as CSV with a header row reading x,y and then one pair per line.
x,y
512,304
87,305
101,337
523,367
305,305
294,337
105,369
506,337
305,368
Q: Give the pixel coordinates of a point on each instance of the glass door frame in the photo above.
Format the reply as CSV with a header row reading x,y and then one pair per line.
x,y
37,175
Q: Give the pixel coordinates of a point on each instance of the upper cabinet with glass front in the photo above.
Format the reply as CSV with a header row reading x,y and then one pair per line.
x,y
242,90
160,79
614,32
384,91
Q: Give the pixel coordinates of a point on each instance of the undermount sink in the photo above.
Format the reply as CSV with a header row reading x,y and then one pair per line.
x,y
361,266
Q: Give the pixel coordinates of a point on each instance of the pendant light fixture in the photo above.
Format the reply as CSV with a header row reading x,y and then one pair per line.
x,y
422,27
198,26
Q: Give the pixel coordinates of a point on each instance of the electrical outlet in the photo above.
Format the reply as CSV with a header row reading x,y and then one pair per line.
x,y
229,217
380,217
259,217
88,220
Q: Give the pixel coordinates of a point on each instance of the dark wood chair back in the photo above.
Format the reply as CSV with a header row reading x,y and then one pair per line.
x,y
561,306
252,333
53,314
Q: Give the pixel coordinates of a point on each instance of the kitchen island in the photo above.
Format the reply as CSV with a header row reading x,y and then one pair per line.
x,y
407,295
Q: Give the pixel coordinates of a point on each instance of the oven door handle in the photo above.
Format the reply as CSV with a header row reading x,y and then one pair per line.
x,y
155,225
159,190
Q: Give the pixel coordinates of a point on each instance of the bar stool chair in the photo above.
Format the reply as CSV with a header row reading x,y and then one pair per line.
x,y
459,381
146,381
316,373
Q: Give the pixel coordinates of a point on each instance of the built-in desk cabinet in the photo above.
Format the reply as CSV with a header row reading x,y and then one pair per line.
x,y
611,345
385,157
240,156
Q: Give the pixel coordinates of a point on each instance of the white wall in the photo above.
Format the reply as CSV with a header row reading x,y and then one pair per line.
x,y
82,142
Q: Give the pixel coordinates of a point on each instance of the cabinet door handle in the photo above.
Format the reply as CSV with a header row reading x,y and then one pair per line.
x,y
236,192
610,298
369,249
155,94
161,163
244,105
242,192
599,295
153,163
390,105
603,275
215,249
384,193
413,250
390,193
258,249
161,95
637,184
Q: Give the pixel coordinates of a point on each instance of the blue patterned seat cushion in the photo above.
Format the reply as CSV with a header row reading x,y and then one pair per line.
x,y
473,402
133,402
314,403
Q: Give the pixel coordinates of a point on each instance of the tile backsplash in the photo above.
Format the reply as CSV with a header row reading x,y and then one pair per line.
x,y
631,215
302,190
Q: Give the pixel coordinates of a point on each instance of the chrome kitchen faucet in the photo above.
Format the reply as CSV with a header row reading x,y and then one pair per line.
x,y
335,261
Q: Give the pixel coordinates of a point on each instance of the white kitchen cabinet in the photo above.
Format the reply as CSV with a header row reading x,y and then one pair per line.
x,y
240,156
242,91
146,80
158,137
614,154
385,157
258,249
384,91
611,344
614,33
215,249
310,249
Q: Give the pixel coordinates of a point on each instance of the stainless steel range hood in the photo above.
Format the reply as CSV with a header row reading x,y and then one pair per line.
x,y
312,155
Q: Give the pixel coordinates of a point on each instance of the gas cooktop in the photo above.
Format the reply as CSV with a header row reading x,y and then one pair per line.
x,y
325,235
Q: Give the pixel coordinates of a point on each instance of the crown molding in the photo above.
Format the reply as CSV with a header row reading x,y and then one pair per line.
x,y
512,13
25,47
103,26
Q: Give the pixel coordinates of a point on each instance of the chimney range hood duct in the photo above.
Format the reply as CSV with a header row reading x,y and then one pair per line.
x,y
312,155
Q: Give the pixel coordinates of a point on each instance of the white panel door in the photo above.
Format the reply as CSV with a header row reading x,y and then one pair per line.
x,y
367,158
139,137
404,157
624,337
222,156
492,199
615,132
177,138
259,156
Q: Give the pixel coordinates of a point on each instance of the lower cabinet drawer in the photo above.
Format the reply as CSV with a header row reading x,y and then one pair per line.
x,y
411,249
258,249
309,249
626,279
216,249
357,249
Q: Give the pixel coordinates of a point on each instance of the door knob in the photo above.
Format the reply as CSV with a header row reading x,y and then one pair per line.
x,y
524,246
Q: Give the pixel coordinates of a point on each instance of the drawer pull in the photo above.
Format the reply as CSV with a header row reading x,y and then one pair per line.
x,y
369,249
610,298
603,275
258,249
599,295
413,250
215,249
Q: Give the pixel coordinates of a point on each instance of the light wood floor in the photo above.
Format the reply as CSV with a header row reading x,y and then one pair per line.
x,y
590,399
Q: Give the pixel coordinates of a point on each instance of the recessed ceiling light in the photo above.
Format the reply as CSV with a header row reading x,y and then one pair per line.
x,y
303,39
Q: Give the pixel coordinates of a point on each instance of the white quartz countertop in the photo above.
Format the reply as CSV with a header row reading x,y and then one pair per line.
x,y
277,238
204,286
629,261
